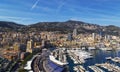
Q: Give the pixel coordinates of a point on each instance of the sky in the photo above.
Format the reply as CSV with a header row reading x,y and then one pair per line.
x,y
102,12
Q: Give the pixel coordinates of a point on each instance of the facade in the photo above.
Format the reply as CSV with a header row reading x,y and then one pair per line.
x,y
75,32
50,66
16,46
69,38
93,36
30,46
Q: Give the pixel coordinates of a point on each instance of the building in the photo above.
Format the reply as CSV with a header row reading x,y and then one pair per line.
x,y
48,63
30,45
22,48
69,38
22,55
75,32
93,36
43,43
16,46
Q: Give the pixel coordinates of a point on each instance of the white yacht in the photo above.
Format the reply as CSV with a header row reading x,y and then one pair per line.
x,y
52,58
91,48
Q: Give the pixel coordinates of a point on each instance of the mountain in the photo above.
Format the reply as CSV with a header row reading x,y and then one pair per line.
x,y
68,26
9,26
112,30
63,27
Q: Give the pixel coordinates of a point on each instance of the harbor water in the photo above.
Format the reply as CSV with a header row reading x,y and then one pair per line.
x,y
99,56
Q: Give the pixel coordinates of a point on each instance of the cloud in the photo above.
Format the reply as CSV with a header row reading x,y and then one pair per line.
x,y
15,19
60,5
20,13
12,17
35,4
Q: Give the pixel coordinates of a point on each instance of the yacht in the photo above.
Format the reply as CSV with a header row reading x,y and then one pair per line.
x,y
91,48
106,48
52,58
102,48
108,58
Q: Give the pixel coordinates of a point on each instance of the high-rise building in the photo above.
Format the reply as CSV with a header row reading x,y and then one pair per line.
x,y
75,32
93,36
16,46
30,45
69,38
43,43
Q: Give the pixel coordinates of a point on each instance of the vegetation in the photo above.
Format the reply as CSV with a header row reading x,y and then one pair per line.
x,y
27,59
62,27
22,70
30,55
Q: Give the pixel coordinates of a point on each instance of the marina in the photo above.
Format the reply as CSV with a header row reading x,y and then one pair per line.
x,y
79,69
116,59
96,69
90,60
109,67
79,56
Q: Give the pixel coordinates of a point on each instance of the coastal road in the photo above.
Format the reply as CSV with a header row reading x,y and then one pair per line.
x,y
34,64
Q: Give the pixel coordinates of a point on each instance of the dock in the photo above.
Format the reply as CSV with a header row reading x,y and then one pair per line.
x,y
109,67
96,69
80,68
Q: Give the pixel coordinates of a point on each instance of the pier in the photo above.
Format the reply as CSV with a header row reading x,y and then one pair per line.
x,y
79,69
79,56
109,67
96,69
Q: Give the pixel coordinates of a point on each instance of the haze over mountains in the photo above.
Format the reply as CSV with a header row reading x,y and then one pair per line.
x,y
63,27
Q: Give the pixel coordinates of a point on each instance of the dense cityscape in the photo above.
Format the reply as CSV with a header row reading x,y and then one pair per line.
x,y
50,51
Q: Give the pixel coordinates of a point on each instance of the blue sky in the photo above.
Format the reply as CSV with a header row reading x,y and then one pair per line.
x,y
103,12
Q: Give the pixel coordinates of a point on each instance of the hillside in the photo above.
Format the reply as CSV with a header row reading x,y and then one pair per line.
x,y
9,26
63,27
68,26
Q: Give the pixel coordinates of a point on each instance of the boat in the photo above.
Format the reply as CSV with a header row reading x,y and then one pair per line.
x,y
108,58
102,48
52,58
116,59
118,48
91,48
109,49
106,48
